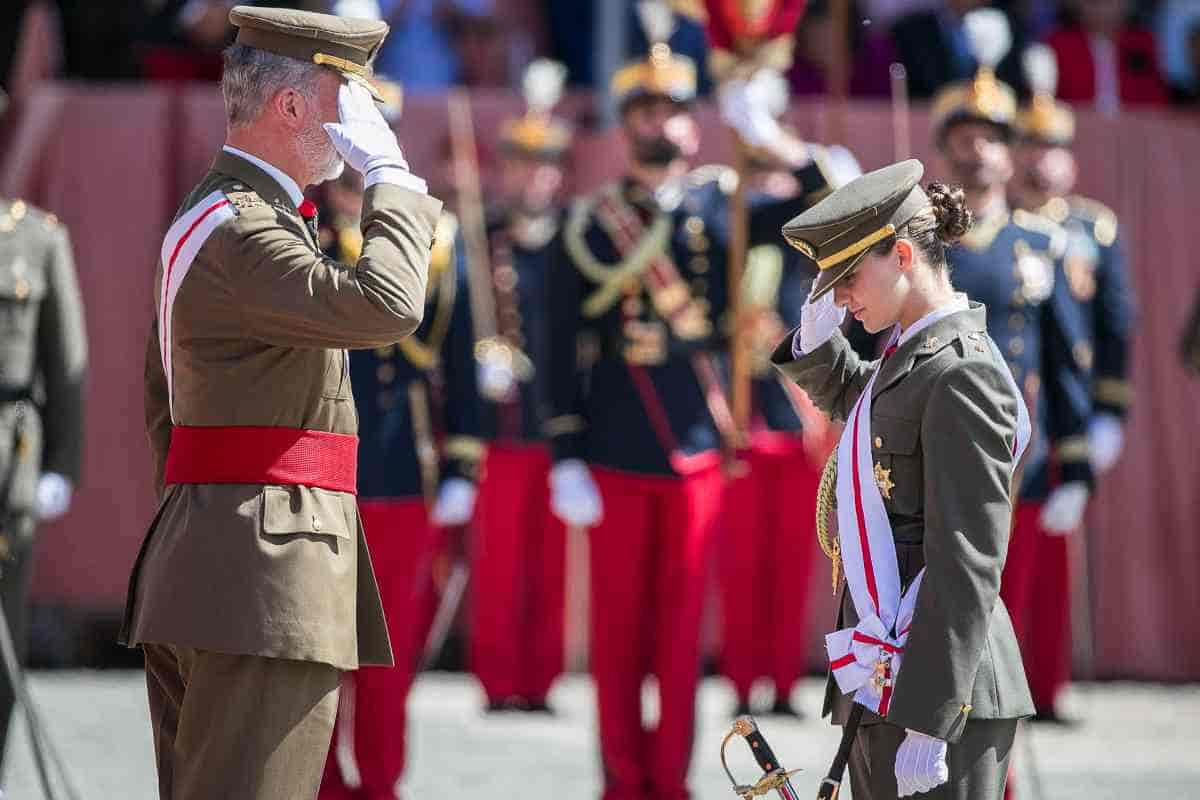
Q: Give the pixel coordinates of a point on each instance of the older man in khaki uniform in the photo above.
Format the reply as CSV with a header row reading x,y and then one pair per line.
x,y
254,588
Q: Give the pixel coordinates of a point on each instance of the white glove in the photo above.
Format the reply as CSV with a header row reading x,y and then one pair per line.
x,y
363,137
455,503
574,497
496,380
818,320
920,764
750,107
1106,438
1063,511
53,495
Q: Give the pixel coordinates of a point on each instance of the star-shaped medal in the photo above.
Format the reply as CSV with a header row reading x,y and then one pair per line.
x,y
883,479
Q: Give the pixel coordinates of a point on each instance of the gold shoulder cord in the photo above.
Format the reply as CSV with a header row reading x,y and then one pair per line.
x,y
826,509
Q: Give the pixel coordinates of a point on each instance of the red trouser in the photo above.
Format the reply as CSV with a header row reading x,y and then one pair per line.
x,y
518,576
768,547
649,559
402,544
1036,588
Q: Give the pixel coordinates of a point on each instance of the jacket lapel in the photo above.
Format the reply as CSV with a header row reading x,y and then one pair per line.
x,y
927,342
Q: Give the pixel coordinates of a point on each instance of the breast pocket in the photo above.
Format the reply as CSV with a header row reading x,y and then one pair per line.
x,y
898,468
291,511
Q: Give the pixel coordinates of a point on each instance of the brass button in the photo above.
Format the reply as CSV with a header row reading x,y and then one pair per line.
x,y
1016,347
21,289
385,351
699,264
385,372
699,285
1016,321
316,523
932,341
879,441
694,225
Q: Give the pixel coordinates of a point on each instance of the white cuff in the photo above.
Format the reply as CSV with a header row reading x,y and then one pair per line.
x,y
398,176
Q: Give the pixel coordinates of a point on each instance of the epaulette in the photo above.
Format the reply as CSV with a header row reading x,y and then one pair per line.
x,y
1056,209
1037,223
725,177
19,212
241,200
1103,218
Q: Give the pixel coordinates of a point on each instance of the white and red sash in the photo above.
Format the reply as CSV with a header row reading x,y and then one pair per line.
x,y
865,659
183,241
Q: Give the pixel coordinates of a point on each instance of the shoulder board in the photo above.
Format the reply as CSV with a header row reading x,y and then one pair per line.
x,y
18,212
724,176
1103,218
240,200
1047,227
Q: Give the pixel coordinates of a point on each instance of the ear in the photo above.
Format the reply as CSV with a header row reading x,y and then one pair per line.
x,y
904,254
291,106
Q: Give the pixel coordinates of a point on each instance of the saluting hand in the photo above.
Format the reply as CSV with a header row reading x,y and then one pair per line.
x,y
818,320
362,136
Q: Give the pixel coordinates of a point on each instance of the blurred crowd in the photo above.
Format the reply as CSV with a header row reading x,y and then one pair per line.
x,y
1112,53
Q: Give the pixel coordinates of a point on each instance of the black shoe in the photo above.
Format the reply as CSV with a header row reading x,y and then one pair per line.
x,y
784,708
1052,717
511,703
742,709
538,707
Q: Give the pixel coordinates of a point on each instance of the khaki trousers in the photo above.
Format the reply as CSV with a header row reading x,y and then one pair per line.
x,y
238,727
978,762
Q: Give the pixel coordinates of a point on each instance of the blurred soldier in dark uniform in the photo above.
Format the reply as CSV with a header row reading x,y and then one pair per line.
x,y
43,353
520,547
1189,345
767,523
636,298
419,457
1037,577
1012,261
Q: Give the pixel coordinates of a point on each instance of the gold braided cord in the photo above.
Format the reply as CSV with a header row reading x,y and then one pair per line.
x,y
826,509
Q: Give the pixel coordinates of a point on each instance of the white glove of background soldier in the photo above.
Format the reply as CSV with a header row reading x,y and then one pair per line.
x,y
1106,438
818,320
751,107
1063,510
920,764
574,498
455,503
362,136
53,495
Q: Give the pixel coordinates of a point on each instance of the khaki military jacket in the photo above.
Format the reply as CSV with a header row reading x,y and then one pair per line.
x,y
259,329
43,356
943,423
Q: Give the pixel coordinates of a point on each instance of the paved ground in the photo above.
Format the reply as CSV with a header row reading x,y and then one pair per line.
x,y
1139,742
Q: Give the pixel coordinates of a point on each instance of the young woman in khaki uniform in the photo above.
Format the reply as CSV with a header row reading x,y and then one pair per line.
x,y
924,491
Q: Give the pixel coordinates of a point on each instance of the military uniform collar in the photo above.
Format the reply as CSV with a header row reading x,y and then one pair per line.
x,y
271,183
929,339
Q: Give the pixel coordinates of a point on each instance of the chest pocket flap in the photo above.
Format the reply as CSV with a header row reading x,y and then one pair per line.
x,y
895,448
300,509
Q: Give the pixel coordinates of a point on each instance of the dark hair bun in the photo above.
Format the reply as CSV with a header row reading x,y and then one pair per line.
x,y
950,208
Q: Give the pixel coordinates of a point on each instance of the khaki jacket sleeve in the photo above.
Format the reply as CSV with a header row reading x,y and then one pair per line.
x,y
967,433
291,296
157,408
62,359
833,376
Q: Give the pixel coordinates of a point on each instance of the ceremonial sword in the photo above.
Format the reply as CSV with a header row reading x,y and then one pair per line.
x,y
775,777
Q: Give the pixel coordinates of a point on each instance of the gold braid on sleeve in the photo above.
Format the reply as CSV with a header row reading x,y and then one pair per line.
x,y
827,511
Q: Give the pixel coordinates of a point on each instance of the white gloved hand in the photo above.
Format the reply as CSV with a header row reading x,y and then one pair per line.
x,y
818,320
362,136
455,503
1106,438
1063,510
920,764
53,495
750,107
574,498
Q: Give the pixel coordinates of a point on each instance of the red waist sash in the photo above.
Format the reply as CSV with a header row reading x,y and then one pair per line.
x,y
267,455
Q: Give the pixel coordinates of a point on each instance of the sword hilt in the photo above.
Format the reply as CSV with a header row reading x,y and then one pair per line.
x,y
775,777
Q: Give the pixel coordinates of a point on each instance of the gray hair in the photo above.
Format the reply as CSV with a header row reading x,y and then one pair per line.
x,y
252,77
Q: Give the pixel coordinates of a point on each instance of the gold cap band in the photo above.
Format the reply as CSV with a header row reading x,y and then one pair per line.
x,y
856,248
